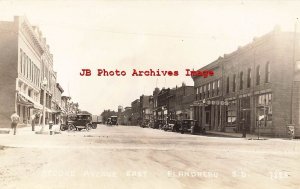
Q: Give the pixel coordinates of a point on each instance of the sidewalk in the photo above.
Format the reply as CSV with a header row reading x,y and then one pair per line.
x,y
234,135
28,130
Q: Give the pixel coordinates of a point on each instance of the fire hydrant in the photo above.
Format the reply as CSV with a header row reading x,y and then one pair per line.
x,y
291,131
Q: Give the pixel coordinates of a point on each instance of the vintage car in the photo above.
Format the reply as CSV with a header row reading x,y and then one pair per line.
x,y
171,125
145,123
189,125
158,124
81,121
113,120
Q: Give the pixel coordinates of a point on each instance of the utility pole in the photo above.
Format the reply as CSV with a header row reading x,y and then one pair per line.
x,y
293,70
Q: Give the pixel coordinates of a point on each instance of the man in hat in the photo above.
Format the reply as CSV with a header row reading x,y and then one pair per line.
x,y
14,122
33,118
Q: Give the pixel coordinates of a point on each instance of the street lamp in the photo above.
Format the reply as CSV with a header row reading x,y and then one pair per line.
x,y
44,84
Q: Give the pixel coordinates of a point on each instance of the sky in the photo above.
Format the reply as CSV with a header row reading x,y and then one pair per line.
x,y
142,35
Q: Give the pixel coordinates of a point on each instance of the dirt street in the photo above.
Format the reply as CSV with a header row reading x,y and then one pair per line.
x,y
134,157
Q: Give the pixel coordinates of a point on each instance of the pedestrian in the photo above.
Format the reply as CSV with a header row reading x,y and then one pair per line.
x,y
14,122
33,118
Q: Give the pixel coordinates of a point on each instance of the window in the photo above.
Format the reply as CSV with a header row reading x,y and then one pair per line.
x,y
21,61
208,90
241,80
24,63
249,78
200,91
26,66
213,88
231,113
227,85
264,109
267,74
30,93
218,87
257,75
233,83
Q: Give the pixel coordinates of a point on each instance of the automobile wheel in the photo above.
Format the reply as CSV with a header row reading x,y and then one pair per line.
x,y
173,129
193,130
62,127
94,126
89,126
72,127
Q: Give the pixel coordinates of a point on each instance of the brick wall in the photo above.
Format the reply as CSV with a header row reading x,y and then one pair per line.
x,y
8,70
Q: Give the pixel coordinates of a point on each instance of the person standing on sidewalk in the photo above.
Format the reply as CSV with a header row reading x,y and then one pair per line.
x,y
33,118
14,122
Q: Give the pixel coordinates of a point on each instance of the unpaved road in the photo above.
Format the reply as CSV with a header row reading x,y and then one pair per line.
x,y
133,157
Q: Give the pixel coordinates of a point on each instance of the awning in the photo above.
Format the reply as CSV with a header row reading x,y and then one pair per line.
x,y
23,101
37,106
48,110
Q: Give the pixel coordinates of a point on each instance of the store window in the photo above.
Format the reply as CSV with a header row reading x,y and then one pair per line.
x,y
264,108
231,113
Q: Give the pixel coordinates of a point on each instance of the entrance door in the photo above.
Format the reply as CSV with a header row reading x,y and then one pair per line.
x,y
245,113
207,119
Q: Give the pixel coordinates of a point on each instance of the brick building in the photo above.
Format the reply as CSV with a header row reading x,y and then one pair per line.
x,y
253,87
161,110
146,107
25,59
136,112
184,97
125,116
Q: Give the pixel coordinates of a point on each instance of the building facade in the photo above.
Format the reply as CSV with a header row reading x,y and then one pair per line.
x,y
25,59
146,108
136,112
253,88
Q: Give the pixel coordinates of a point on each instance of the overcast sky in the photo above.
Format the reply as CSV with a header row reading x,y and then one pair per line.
x,y
165,35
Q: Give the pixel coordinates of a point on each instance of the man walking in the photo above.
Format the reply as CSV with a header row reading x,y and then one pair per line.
x,y
14,122
33,118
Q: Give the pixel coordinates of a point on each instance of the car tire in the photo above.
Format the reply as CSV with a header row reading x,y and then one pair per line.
x,y
72,127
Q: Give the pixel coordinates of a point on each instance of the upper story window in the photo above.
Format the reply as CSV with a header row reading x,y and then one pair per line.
x,y
267,74
233,83
241,80
249,78
257,75
218,86
227,85
208,89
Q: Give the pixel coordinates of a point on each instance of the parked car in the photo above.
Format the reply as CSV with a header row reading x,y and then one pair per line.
x,y
188,125
158,124
113,120
78,122
171,125
145,123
